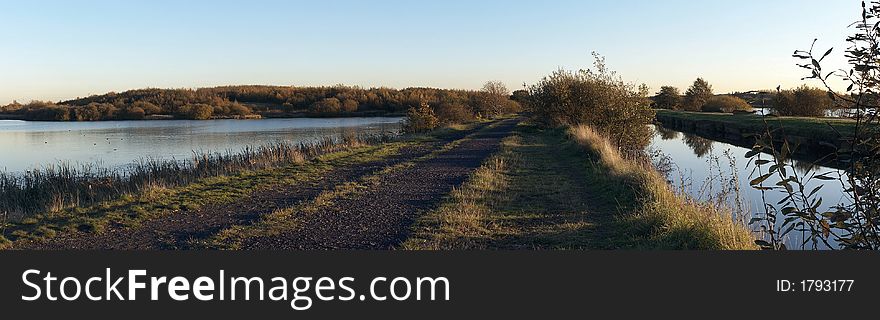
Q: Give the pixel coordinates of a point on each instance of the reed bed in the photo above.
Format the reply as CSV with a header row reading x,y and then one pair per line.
x,y
63,186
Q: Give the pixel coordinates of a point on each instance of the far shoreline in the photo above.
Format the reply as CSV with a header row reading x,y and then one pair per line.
x,y
258,116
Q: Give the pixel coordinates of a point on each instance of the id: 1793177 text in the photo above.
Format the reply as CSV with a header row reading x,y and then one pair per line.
x,y
814,285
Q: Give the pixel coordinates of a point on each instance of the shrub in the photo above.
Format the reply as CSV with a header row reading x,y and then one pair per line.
x,y
697,95
450,113
349,105
132,113
420,119
803,101
238,109
600,99
726,104
195,111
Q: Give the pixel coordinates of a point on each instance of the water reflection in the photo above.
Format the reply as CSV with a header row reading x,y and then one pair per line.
x,y
703,166
666,134
701,146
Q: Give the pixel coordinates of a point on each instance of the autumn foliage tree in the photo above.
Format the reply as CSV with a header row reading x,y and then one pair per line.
x,y
697,95
668,98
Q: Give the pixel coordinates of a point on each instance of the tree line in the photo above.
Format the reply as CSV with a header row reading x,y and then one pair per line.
x,y
269,101
802,101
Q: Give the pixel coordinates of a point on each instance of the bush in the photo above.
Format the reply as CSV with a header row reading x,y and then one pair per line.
x,y
726,104
450,113
803,101
420,119
238,109
599,99
195,112
132,113
349,105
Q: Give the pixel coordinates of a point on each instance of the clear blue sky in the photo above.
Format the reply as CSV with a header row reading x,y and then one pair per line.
x,y
64,49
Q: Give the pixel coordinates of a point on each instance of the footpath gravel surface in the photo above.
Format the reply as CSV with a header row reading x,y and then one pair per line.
x,y
375,219
380,218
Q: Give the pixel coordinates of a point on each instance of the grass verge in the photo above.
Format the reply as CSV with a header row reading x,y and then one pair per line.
x,y
660,218
552,189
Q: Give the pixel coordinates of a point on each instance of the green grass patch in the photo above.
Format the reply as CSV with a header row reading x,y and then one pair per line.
x,y
824,128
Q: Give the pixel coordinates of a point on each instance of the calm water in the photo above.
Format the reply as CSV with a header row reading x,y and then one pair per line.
x,y
26,145
705,170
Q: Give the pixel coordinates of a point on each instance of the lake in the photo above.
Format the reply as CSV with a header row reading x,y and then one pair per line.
x,y
26,145
704,168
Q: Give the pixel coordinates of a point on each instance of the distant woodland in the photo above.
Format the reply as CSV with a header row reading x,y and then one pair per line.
x,y
267,101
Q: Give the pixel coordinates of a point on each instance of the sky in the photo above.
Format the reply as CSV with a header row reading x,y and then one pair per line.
x,y
56,50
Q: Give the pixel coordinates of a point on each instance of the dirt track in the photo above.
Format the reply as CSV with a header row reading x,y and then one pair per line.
x,y
378,218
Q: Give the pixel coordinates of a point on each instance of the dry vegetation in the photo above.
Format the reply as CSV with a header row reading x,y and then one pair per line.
x,y
550,190
671,221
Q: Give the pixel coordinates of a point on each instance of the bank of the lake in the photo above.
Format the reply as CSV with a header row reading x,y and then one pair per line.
x,y
813,139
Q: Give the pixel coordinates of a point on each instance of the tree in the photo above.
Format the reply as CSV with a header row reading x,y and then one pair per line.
x,y
697,95
668,98
420,119
147,107
327,105
496,98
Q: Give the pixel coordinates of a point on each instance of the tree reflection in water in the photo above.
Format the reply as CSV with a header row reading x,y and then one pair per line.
x,y
700,146
666,134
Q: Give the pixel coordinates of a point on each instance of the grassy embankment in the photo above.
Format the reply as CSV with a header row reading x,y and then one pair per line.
x,y
551,189
808,127
132,208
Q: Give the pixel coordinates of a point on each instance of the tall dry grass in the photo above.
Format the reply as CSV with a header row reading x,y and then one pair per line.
x,y
63,186
671,220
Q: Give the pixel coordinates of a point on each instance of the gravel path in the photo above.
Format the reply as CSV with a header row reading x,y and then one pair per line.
x,y
180,229
380,218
